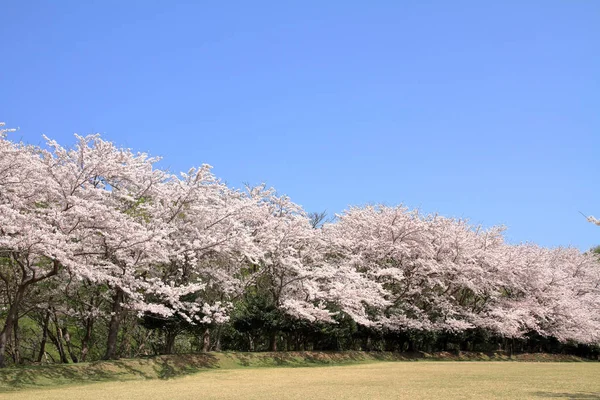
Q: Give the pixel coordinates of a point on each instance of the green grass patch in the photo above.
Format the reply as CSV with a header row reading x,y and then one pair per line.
x,y
167,367
369,380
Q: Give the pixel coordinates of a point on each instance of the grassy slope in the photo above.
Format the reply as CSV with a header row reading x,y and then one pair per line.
x,y
165,367
381,380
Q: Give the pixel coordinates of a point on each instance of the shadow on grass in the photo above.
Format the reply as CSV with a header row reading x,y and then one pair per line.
x,y
313,358
160,367
575,396
292,358
51,375
173,367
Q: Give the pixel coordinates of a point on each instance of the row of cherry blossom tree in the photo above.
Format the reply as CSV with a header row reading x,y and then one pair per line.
x,y
103,254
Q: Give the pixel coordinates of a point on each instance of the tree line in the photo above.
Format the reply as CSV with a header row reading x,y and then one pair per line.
x,y
104,255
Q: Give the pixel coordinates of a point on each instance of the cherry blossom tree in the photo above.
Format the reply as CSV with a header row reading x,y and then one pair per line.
x,y
94,233
33,247
593,220
553,292
209,245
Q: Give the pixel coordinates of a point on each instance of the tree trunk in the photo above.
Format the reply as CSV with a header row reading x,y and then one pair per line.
x,y
217,346
286,342
113,326
250,342
85,342
206,341
411,346
44,337
16,351
58,344
296,342
67,338
170,337
58,340
124,342
143,344
273,341
11,318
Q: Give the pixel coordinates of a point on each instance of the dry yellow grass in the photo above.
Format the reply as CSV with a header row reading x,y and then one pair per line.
x,y
383,380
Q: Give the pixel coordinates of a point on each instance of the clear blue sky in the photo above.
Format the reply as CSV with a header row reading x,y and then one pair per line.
x,y
488,110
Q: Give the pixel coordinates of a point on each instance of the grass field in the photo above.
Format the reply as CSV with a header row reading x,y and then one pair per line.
x,y
379,380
